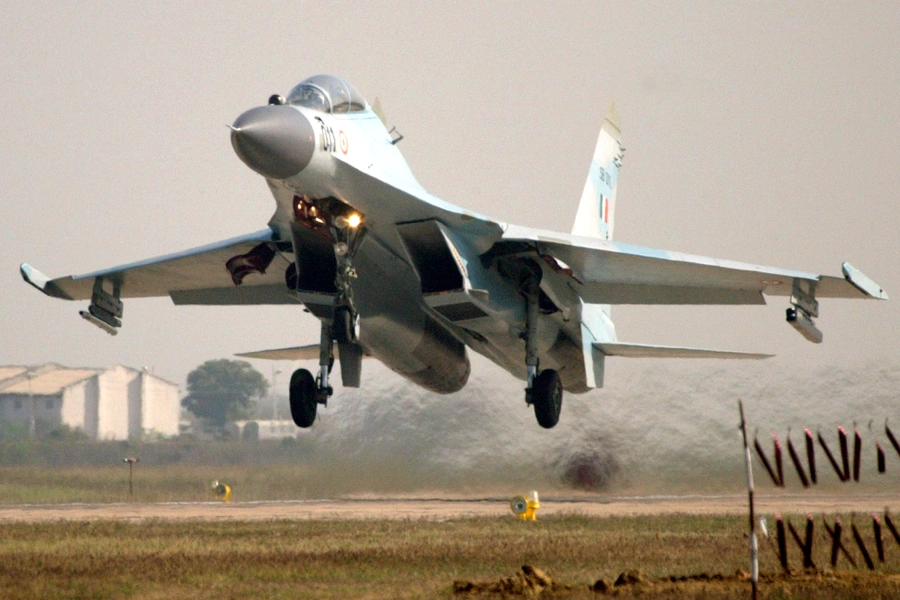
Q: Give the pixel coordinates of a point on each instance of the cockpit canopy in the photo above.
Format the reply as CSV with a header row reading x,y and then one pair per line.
x,y
327,93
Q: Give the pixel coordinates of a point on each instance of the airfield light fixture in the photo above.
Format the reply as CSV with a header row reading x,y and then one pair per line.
x,y
221,491
131,460
526,507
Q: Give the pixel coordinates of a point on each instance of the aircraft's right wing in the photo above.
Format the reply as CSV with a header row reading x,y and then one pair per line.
x,y
244,270
606,272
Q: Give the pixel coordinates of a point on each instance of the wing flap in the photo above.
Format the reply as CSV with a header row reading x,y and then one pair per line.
x,y
243,295
625,293
649,351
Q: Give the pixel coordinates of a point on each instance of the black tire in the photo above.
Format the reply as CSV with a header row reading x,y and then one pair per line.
x,y
292,276
342,325
546,395
303,398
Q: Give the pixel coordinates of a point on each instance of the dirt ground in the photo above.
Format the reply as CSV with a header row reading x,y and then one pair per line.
x,y
446,508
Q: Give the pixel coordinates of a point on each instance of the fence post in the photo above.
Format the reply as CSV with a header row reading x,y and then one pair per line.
x,y
754,549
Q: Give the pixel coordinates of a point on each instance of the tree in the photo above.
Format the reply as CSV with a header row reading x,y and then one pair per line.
x,y
224,390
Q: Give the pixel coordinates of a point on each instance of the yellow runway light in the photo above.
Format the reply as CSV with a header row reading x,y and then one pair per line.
x,y
526,508
222,491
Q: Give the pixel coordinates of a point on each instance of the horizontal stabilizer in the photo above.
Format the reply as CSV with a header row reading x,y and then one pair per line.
x,y
295,353
646,351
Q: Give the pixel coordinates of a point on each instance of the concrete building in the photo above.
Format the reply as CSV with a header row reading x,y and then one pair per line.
x,y
118,403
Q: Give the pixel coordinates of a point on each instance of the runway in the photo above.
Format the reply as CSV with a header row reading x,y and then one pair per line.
x,y
438,509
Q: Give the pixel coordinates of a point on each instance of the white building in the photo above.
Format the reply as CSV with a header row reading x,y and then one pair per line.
x,y
118,403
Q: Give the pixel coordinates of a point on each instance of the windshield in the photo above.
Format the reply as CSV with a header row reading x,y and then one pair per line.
x,y
327,93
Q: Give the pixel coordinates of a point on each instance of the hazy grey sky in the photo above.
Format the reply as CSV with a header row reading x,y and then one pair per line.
x,y
754,131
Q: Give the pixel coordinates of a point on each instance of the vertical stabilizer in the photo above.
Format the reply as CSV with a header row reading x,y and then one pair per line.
x,y
598,200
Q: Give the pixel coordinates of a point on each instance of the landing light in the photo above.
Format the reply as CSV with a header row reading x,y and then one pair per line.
x,y
352,221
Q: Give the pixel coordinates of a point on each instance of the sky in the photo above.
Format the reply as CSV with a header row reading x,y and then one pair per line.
x,y
759,132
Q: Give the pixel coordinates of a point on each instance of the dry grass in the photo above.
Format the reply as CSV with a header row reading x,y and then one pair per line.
x,y
393,559
48,472
178,483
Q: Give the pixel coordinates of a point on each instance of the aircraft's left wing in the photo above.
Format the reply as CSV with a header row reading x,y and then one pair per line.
x,y
244,270
606,272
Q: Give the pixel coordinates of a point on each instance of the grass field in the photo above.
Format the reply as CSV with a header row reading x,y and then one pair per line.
x,y
401,559
367,558
179,483
65,472
48,473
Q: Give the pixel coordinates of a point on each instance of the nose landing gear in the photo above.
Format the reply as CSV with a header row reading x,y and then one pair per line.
x,y
304,398
307,392
335,221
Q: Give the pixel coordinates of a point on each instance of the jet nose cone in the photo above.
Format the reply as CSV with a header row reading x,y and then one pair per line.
x,y
275,141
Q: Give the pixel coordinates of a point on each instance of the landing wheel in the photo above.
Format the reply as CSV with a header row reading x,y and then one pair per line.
x,y
303,398
342,326
546,395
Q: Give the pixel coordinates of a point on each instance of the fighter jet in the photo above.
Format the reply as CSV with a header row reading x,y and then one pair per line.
x,y
396,274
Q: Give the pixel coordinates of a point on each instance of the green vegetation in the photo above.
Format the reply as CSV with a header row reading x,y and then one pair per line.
x,y
394,559
224,390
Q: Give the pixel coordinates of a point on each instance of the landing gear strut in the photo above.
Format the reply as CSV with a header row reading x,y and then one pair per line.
x,y
336,221
345,318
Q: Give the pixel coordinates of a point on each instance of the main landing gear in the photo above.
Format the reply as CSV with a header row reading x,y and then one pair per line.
x,y
546,396
308,392
544,389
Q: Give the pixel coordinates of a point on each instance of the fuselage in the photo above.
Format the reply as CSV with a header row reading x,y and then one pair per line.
x,y
397,274
422,288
